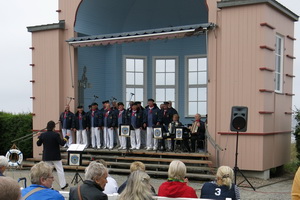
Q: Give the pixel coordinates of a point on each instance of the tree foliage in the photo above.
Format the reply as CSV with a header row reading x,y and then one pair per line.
x,y
13,126
297,134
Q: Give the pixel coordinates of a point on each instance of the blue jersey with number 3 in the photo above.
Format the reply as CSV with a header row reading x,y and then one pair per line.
x,y
213,191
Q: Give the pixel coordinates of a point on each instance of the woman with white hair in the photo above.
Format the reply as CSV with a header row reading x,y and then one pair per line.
x,y
223,187
3,164
93,186
176,186
138,187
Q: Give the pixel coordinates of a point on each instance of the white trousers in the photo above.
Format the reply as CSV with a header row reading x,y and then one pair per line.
x,y
151,142
135,138
81,137
122,140
108,137
64,132
95,137
60,172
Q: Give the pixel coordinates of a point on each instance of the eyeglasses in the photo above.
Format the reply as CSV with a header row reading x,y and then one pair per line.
x,y
52,177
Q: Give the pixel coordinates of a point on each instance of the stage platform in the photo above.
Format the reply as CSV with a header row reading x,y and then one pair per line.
x,y
199,166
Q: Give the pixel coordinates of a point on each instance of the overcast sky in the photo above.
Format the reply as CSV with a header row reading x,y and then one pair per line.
x,y
16,15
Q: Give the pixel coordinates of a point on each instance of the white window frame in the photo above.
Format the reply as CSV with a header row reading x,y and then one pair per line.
x,y
134,86
154,58
280,71
187,85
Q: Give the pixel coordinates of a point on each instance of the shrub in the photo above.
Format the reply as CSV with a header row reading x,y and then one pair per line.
x,y
13,126
297,134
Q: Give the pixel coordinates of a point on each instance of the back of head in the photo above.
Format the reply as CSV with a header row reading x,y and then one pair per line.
x,y
137,165
3,161
94,171
138,187
9,189
177,170
50,125
225,176
40,170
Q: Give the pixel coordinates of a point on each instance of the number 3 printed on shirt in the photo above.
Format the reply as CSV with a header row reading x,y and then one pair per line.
x,y
218,191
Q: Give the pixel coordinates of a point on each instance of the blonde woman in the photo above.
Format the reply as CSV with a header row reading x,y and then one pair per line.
x,y
176,186
223,187
138,187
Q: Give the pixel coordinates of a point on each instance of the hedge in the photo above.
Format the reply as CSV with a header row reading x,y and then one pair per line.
x,y
297,134
13,126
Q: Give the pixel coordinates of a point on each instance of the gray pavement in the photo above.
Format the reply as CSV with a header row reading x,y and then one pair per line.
x,y
280,190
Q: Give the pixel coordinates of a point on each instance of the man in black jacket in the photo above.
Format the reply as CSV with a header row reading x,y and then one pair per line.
x,y
81,126
109,122
51,151
66,119
135,119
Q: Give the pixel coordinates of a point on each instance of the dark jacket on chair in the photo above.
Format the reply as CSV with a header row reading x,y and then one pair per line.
x,y
89,191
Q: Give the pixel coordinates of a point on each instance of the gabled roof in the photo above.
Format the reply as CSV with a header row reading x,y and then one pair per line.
x,y
273,3
143,35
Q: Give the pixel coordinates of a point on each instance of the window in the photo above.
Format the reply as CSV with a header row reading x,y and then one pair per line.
x,y
197,86
165,80
134,79
278,63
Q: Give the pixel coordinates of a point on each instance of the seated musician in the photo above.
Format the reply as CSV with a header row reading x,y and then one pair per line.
x,y
198,134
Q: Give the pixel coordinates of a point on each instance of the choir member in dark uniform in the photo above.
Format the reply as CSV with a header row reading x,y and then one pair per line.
x,y
81,126
121,120
109,123
66,119
166,119
171,109
143,131
51,142
95,124
151,117
135,120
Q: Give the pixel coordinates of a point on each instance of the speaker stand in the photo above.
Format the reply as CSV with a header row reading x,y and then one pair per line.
x,y
236,168
77,178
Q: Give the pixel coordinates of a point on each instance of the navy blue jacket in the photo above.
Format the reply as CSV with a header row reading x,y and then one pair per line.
x,y
69,118
156,115
111,120
139,118
212,191
85,120
167,118
97,118
123,116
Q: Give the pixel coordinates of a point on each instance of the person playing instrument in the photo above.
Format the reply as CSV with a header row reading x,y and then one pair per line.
x,y
41,175
109,122
95,124
135,119
198,134
81,126
166,119
121,120
151,117
66,119
223,187
172,128
51,151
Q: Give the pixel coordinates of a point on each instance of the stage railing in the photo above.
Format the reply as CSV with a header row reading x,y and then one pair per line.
x,y
214,144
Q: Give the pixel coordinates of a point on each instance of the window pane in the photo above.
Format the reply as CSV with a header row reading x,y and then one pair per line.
x,y
202,79
139,65
139,79
160,94
192,108
193,94
129,64
129,78
139,94
192,78
170,65
202,108
160,66
170,78
160,79
202,94
192,64
170,95
202,64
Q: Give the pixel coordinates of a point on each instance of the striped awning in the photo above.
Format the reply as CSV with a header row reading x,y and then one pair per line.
x,y
144,35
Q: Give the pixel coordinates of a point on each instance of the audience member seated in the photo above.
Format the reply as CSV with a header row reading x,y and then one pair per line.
x,y
42,179
223,187
3,164
176,186
135,166
138,187
9,189
111,186
94,184
296,186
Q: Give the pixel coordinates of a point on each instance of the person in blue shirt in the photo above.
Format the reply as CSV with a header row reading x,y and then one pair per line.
x,y
223,187
42,179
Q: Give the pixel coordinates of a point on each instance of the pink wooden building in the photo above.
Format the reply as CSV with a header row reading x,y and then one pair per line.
x,y
204,55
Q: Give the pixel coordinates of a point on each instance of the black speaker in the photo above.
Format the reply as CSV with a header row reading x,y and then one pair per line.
x,y
239,115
